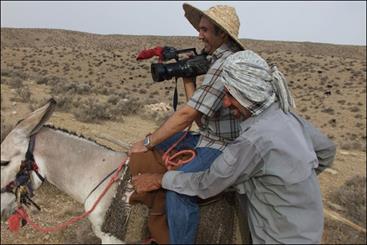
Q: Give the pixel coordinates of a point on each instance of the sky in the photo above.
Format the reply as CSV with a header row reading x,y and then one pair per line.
x,y
337,22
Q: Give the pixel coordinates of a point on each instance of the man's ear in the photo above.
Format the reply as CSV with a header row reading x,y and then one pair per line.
x,y
224,36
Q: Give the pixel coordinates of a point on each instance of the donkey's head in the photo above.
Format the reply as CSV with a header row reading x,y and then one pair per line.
x,y
14,148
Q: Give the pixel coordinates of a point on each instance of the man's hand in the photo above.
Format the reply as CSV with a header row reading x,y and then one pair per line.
x,y
138,147
147,182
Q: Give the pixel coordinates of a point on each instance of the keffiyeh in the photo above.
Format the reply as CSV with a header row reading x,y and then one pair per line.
x,y
254,84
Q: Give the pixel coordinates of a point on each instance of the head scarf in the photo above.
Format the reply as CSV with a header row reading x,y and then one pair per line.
x,y
254,84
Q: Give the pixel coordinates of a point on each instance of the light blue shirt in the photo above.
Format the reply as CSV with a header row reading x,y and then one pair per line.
x,y
272,162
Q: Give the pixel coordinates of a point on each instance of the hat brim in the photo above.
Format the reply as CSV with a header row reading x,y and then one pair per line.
x,y
194,15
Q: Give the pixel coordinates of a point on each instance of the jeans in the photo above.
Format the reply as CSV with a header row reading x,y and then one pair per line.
x,y
183,211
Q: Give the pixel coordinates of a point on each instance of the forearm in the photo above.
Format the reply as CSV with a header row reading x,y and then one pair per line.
x,y
235,165
176,123
189,86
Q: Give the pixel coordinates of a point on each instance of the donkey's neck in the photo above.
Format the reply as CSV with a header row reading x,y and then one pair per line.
x,y
73,164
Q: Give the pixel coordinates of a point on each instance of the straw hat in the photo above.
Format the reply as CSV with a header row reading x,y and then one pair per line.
x,y
223,16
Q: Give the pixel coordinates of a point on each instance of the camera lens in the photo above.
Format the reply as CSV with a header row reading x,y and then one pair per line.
x,y
191,67
158,71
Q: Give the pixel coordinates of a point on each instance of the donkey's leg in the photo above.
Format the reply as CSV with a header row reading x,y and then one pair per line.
x,y
98,215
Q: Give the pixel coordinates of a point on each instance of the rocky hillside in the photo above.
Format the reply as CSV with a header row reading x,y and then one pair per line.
x,y
41,38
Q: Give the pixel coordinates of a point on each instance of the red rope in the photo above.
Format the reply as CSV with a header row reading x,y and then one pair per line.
x,y
169,160
21,211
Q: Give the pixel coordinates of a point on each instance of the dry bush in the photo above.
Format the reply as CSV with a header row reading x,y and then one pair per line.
x,y
15,82
82,88
23,94
336,232
6,72
64,102
13,73
125,107
42,80
96,111
63,87
92,111
5,128
352,196
113,99
59,86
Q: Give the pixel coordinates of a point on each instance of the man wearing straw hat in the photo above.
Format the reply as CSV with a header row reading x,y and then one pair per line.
x,y
218,29
272,162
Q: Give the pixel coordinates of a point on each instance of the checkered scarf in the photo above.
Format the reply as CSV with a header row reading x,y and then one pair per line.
x,y
254,84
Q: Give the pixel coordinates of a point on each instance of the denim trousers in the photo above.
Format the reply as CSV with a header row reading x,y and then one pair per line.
x,y
182,211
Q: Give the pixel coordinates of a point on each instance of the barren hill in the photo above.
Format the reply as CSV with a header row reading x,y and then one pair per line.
x,y
40,38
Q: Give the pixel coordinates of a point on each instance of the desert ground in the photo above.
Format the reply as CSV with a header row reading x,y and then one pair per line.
x,y
101,90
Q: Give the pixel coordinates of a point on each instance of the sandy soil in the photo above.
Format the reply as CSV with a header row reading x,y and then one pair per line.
x,y
328,81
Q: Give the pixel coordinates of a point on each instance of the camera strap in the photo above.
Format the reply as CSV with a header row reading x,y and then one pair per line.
x,y
175,97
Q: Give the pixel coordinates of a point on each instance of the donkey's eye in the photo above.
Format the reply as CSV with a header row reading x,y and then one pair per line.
x,y
4,163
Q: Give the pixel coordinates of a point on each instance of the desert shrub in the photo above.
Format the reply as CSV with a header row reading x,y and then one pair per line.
x,y
355,109
24,94
352,196
92,111
113,99
125,107
72,88
336,232
142,91
5,128
64,102
42,80
330,111
82,88
53,80
15,82
20,74
62,87
6,72
4,80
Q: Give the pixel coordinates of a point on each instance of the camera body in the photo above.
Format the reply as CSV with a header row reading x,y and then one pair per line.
x,y
189,67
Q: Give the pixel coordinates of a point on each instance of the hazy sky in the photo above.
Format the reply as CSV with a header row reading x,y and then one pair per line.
x,y
327,22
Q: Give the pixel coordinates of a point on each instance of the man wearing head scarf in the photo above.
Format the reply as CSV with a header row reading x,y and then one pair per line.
x,y
218,29
273,162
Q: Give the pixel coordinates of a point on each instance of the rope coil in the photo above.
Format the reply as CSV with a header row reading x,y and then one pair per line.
x,y
169,160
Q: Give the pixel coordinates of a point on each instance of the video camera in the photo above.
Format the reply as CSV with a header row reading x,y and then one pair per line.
x,y
188,67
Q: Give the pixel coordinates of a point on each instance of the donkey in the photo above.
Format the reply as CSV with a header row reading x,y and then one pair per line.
x,y
71,163
80,167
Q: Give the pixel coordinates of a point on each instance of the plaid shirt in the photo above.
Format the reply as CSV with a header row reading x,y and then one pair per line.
x,y
219,126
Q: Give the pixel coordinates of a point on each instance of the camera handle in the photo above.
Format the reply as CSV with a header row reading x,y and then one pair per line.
x,y
187,50
172,53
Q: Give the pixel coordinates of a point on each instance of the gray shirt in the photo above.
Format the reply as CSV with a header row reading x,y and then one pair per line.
x,y
272,162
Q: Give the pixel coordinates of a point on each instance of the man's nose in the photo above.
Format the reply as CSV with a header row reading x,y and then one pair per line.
x,y
200,36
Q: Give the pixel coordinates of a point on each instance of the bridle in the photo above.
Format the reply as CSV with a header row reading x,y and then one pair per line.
x,y
22,189
21,186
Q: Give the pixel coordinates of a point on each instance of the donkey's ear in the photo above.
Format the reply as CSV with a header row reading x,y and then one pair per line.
x,y
35,120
